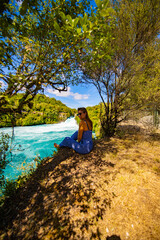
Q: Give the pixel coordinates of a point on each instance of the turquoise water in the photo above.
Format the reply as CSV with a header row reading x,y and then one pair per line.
x,y
35,141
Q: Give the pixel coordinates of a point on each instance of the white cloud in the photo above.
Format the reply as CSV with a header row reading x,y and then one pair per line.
x,y
78,96
68,93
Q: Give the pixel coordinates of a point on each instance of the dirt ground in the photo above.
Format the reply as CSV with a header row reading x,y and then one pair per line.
x,y
112,193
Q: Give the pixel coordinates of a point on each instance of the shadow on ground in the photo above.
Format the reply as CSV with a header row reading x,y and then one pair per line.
x,y
113,237
60,199
155,136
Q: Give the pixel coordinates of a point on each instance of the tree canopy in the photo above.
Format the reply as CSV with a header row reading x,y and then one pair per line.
x,y
40,44
121,36
57,43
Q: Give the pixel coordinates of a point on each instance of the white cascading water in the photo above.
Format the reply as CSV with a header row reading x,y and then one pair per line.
x,y
35,141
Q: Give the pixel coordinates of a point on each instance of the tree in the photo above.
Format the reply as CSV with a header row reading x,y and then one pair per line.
x,y
122,30
44,36
145,92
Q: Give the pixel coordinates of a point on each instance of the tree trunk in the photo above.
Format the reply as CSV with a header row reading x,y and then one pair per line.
x,y
155,117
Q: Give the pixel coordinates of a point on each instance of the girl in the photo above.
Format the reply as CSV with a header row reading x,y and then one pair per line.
x,y
81,140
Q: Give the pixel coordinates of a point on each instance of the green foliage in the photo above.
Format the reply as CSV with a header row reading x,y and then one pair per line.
x,y
10,187
121,32
46,43
44,110
146,88
38,47
94,114
4,147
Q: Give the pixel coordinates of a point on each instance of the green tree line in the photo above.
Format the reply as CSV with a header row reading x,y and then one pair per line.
x,y
44,110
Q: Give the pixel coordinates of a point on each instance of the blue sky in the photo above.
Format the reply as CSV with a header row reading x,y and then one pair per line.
x,y
76,96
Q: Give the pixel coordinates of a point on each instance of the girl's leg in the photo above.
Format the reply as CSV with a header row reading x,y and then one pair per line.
x,y
68,142
75,136
78,147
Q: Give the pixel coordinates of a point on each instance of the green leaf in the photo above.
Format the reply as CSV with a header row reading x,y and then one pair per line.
x,y
78,30
98,3
69,19
85,18
63,16
106,4
90,25
104,13
84,28
56,25
76,21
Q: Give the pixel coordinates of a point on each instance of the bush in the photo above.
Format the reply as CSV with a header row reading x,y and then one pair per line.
x,y
4,147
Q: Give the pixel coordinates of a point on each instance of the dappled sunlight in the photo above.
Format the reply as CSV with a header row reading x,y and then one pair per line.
x,y
110,193
62,196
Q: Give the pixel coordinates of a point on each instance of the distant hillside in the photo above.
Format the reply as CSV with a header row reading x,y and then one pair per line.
x,y
45,110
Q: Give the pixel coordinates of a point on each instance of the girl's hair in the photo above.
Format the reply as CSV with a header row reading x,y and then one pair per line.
x,y
84,110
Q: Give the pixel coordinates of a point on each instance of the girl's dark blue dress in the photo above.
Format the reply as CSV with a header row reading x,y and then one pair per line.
x,y
83,147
